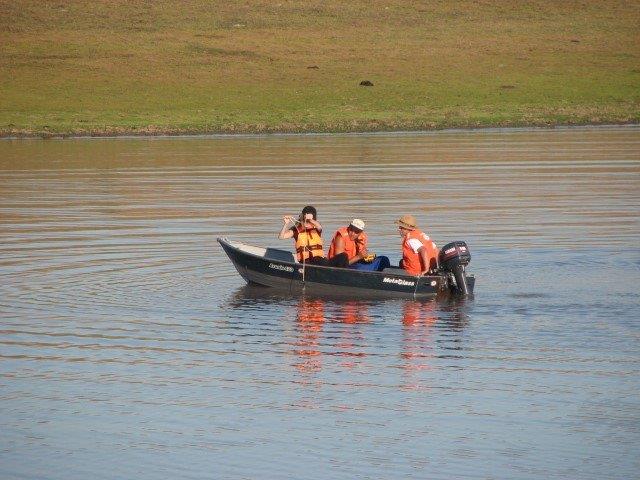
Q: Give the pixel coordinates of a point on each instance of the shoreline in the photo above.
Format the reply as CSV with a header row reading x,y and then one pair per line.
x,y
135,69
116,133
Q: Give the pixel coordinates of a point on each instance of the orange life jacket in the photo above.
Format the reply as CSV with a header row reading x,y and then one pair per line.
x,y
351,247
411,260
308,243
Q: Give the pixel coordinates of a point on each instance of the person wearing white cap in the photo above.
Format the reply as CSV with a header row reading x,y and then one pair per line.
x,y
350,240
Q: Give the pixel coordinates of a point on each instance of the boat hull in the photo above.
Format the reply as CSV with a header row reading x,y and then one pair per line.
x,y
277,268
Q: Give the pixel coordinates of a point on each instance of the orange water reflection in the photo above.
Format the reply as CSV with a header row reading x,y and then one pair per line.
x,y
417,350
328,329
351,343
431,333
344,333
312,317
309,324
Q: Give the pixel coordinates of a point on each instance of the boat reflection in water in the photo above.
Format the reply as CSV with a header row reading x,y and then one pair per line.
x,y
342,333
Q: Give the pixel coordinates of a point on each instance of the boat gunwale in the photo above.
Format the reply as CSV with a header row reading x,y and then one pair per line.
x,y
231,243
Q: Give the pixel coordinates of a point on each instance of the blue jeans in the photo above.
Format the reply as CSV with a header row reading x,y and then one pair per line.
x,y
378,264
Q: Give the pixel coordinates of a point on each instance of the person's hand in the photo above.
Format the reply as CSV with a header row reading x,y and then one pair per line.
x,y
287,219
369,257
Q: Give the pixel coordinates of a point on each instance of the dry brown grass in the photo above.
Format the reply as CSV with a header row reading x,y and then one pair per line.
x,y
116,67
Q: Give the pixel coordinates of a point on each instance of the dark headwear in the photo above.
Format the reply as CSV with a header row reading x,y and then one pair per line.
x,y
311,210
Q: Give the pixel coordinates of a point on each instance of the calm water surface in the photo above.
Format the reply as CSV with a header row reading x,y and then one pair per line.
x,y
130,347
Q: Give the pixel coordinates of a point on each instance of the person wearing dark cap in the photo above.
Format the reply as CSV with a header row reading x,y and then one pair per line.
x,y
419,252
306,232
307,235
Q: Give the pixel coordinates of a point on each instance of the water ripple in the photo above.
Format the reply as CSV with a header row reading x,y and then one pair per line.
x,y
130,347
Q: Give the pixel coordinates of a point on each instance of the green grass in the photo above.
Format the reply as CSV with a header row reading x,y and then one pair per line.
x,y
116,67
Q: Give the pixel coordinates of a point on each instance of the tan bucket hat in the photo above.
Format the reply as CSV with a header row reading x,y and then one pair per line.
x,y
407,221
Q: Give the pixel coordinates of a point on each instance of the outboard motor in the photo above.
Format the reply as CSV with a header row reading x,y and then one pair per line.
x,y
453,258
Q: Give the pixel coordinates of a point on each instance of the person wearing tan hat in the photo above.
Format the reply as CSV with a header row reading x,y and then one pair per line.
x,y
419,252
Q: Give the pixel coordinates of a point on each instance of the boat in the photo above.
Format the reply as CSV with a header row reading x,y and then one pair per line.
x,y
277,268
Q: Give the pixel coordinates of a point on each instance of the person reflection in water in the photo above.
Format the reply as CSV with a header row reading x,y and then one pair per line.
x,y
424,323
419,313
418,319
312,316
352,311
309,324
351,341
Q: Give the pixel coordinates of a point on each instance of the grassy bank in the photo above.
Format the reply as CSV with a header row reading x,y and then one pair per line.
x,y
114,67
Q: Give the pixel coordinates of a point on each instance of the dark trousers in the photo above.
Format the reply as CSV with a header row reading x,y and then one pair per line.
x,y
341,261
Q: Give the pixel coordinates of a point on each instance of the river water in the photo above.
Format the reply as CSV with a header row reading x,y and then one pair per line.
x,y
130,347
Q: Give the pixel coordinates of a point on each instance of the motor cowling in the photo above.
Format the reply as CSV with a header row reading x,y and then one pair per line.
x,y
453,258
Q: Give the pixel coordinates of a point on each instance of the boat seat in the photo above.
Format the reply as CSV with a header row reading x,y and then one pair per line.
x,y
397,271
279,255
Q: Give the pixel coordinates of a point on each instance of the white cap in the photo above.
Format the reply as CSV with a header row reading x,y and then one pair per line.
x,y
357,223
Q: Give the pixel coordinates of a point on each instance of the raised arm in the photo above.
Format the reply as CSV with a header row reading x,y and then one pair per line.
x,y
287,222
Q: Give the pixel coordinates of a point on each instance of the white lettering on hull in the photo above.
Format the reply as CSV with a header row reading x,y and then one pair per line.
x,y
284,268
398,281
